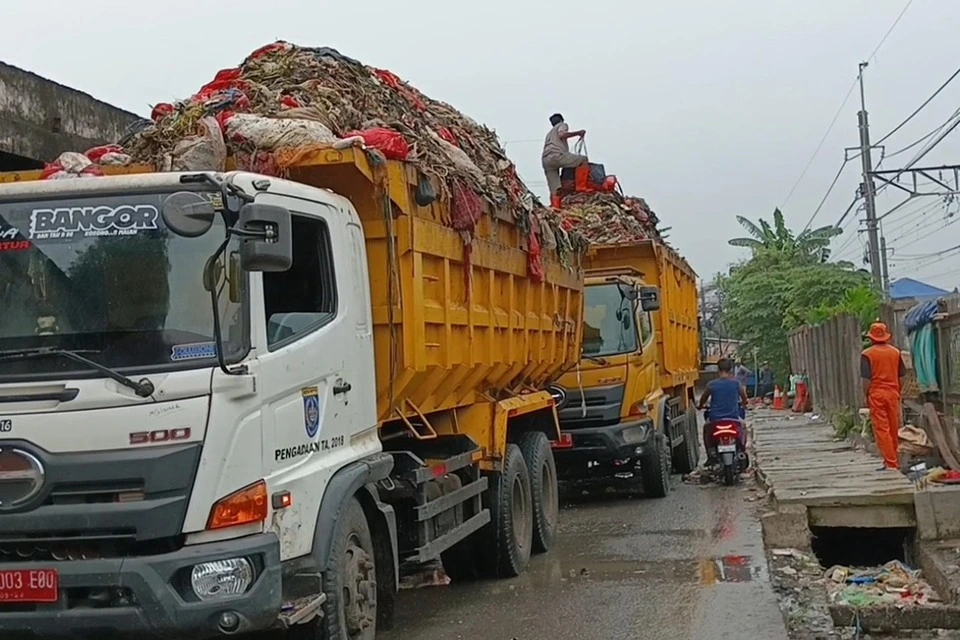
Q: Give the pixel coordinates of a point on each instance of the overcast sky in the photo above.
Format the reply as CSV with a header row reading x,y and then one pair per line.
x,y
707,109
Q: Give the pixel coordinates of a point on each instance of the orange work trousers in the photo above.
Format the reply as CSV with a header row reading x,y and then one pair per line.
x,y
885,414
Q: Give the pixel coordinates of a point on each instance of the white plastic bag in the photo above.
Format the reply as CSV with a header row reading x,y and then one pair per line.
x,y
206,152
270,134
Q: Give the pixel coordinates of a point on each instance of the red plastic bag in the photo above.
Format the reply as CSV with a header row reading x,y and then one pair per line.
x,y
448,135
98,152
389,142
290,102
391,80
161,110
70,165
269,48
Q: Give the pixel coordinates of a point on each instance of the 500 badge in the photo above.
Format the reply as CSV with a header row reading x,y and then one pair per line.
x,y
159,436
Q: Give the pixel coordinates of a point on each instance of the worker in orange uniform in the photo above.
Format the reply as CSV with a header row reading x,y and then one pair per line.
x,y
882,371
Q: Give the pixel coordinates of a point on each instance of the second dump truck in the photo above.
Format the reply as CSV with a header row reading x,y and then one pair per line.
x,y
232,402
627,411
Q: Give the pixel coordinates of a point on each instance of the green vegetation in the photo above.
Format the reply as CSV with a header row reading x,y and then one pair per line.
x,y
788,281
844,423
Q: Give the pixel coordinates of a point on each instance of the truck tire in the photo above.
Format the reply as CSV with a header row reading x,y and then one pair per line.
x,y
350,612
655,467
509,537
686,455
545,495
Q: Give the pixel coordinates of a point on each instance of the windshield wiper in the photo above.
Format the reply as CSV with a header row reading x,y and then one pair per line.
x,y
144,388
596,360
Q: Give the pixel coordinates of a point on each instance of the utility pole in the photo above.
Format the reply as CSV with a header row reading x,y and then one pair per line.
x,y
867,188
885,271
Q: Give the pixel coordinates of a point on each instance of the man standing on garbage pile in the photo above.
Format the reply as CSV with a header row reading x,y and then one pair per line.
x,y
728,399
556,152
882,371
767,380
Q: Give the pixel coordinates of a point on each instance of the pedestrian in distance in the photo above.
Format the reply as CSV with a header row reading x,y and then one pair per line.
x,y
767,380
556,152
742,373
882,371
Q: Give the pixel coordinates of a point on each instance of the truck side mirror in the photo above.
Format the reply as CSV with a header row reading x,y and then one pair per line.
x,y
649,298
266,234
188,214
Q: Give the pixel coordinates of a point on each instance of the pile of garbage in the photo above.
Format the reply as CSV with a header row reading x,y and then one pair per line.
x,y
607,217
893,584
285,100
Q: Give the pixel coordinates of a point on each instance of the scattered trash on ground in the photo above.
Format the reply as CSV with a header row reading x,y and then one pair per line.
x,y
892,584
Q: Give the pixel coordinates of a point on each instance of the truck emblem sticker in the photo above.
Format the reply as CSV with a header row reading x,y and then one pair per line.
x,y
311,410
193,351
66,222
9,239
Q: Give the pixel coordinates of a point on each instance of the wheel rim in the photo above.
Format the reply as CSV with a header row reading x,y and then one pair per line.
x,y
549,495
521,522
359,588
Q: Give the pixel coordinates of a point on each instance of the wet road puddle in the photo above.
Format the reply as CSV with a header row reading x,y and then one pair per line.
x,y
728,569
706,571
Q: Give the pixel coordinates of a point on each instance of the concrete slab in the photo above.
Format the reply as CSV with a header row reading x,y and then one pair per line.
x,y
940,563
801,463
938,512
891,619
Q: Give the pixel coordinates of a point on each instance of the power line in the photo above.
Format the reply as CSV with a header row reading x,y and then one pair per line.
x,y
839,223
836,178
820,144
921,107
890,30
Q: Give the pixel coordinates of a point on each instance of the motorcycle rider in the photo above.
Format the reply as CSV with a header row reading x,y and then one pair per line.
x,y
726,396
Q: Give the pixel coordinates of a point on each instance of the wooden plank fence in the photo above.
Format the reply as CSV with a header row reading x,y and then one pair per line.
x,y
829,354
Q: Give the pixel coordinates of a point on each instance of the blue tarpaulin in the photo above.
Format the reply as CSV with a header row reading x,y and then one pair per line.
x,y
910,288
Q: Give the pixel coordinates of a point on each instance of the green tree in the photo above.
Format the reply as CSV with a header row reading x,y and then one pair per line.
x,y
809,243
788,281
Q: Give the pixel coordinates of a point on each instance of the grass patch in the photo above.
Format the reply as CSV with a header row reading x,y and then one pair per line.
x,y
844,423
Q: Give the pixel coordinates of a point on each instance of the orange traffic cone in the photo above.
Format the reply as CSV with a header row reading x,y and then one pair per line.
x,y
777,398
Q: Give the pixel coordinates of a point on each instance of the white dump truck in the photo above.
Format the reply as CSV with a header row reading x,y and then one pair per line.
x,y
231,403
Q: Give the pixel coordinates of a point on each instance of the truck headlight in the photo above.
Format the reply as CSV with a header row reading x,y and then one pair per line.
x,y
221,579
634,435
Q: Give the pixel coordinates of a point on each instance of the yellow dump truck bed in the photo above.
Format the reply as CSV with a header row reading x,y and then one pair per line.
x,y
676,326
437,347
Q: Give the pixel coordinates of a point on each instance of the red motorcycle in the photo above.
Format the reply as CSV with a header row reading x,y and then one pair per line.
x,y
730,451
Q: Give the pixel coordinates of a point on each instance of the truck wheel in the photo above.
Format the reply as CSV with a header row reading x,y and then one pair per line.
x,y
350,612
655,467
509,538
687,453
538,455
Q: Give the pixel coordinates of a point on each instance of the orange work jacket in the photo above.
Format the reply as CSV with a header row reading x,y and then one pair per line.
x,y
882,365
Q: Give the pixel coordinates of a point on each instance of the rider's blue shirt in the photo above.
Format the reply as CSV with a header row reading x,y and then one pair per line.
x,y
724,399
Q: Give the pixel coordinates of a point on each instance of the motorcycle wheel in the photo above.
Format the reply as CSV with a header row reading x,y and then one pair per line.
x,y
729,476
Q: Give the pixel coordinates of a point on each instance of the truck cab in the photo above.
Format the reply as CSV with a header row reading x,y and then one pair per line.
x,y
627,410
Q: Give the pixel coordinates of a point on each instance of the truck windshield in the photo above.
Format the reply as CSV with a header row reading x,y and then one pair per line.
x,y
101,274
608,326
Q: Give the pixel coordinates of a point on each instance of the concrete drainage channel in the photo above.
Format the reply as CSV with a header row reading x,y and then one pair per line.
x,y
850,582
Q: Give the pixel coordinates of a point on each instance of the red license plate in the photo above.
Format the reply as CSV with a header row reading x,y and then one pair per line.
x,y
29,585
565,442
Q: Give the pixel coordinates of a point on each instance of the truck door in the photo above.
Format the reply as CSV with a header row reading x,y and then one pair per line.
x,y
316,369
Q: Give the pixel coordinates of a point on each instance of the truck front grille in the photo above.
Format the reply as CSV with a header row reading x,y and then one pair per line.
x,y
91,545
602,406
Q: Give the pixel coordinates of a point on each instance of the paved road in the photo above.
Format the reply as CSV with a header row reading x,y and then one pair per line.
x,y
688,567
